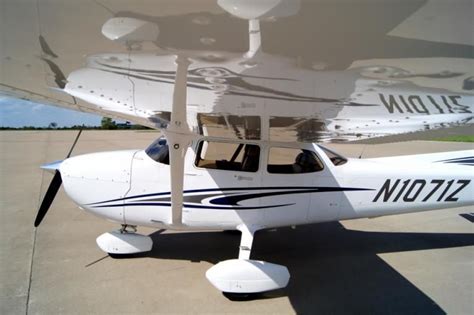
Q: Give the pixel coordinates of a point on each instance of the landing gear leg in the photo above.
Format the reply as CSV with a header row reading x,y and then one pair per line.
x,y
246,241
128,228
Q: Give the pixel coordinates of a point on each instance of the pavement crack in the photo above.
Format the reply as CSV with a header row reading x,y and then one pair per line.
x,y
96,261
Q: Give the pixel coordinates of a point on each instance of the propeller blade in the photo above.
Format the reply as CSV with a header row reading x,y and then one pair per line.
x,y
53,187
74,144
49,197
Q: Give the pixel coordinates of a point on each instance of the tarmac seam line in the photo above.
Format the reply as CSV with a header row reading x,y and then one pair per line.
x,y
30,278
31,274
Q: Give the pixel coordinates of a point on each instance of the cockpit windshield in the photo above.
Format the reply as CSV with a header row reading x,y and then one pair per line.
x,y
335,158
159,151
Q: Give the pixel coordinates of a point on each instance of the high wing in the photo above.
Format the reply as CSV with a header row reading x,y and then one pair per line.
x,y
275,70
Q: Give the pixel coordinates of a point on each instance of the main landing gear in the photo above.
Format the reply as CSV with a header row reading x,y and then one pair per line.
x,y
239,278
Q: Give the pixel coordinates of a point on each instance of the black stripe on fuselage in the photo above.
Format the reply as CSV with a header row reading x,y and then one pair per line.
x,y
230,201
468,160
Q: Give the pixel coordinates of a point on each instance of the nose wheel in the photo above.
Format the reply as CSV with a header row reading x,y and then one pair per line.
x,y
124,241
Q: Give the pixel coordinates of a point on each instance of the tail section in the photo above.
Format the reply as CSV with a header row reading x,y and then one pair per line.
x,y
411,183
456,158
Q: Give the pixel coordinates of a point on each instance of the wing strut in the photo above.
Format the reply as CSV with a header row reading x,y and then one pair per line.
x,y
179,137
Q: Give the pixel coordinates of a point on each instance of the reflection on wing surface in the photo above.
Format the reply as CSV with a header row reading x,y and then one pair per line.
x,y
282,70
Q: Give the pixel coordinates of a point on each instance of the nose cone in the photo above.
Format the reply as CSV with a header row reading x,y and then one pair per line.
x,y
91,179
52,167
111,166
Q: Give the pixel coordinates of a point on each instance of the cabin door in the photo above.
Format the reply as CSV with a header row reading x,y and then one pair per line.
x,y
287,183
222,184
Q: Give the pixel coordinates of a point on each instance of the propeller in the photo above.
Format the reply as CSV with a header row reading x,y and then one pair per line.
x,y
53,187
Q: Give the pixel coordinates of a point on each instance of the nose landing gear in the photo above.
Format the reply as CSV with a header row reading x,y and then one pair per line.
x,y
124,241
128,228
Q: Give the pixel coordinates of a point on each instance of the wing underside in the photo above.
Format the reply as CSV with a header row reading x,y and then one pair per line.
x,y
290,71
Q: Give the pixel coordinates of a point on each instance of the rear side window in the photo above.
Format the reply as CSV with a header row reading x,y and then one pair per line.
x,y
335,158
292,161
228,156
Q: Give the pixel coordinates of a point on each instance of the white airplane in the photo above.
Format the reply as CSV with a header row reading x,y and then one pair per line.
x,y
242,131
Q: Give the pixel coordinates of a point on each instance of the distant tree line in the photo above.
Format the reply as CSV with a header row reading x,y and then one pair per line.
x,y
75,127
106,123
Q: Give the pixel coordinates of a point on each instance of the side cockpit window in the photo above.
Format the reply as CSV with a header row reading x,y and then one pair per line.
x,y
159,151
292,161
228,156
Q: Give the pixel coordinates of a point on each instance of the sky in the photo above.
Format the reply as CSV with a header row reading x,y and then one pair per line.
x,y
19,113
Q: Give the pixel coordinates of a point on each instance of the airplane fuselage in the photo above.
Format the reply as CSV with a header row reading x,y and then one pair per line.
x,y
130,187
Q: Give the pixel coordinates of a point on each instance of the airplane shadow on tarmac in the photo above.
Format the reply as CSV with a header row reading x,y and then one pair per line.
x,y
333,270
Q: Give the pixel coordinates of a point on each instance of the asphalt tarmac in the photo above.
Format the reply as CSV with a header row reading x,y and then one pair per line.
x,y
414,263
